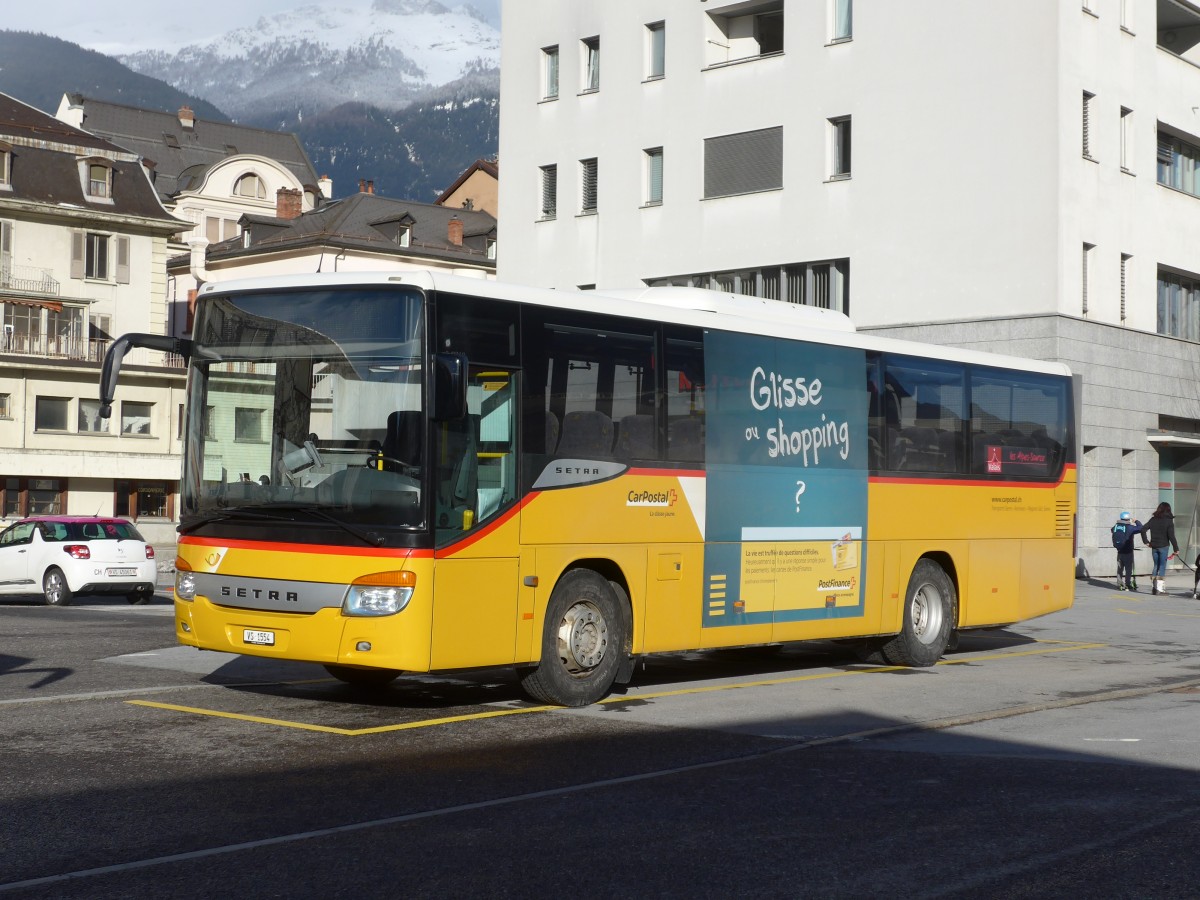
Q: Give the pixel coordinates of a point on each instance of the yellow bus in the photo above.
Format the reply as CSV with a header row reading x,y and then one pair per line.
x,y
419,472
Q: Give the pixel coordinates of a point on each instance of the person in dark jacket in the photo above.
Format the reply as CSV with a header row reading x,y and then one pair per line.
x,y
1159,533
1122,537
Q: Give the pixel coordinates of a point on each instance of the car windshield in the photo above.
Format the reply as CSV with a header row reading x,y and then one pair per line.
x,y
89,531
307,400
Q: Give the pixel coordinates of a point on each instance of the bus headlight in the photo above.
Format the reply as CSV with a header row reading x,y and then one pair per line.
x,y
381,594
185,585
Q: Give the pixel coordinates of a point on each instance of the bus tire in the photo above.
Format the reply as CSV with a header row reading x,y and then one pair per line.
x,y
929,605
582,642
363,677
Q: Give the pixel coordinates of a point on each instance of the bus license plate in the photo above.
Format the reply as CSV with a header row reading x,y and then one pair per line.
x,y
265,638
121,573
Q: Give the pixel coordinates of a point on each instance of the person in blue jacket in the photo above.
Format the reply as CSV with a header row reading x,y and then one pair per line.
x,y
1122,538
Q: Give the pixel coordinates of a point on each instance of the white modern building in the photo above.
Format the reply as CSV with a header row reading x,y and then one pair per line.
x,y
1019,176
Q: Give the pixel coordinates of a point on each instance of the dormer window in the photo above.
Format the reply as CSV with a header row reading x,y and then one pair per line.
x,y
251,186
404,235
96,176
5,166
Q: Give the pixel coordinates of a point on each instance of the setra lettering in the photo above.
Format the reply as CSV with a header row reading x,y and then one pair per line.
x,y
575,470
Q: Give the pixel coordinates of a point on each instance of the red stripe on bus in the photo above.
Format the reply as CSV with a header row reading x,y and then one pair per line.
x,y
949,482
487,529
282,547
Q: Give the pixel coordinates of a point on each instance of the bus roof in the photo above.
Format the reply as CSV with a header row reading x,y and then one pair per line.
x,y
687,306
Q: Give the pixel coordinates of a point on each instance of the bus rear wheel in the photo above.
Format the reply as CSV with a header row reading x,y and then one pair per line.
x,y
363,677
929,605
582,642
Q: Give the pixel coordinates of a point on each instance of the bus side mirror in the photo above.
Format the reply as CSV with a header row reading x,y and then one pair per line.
x,y
122,345
449,386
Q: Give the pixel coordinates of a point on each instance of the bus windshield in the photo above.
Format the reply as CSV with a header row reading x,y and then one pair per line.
x,y
312,409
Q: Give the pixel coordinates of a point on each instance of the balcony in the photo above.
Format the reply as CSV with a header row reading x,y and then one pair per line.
x,y
1177,28
28,280
19,343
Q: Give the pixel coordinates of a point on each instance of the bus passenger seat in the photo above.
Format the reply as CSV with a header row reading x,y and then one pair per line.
x,y
635,438
586,434
685,439
551,432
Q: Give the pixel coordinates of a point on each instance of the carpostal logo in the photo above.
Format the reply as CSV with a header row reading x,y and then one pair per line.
x,y
652,498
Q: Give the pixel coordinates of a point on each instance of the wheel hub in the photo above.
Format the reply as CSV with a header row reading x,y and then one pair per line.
x,y
927,613
582,638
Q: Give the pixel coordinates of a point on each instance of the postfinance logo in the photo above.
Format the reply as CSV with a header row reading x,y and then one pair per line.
x,y
652,498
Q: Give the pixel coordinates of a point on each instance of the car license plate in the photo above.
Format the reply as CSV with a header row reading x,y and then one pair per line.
x,y
265,638
119,573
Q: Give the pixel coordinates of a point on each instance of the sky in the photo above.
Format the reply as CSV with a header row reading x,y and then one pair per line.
x,y
130,25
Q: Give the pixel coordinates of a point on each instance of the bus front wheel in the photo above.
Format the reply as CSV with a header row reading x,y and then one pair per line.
x,y
581,643
929,605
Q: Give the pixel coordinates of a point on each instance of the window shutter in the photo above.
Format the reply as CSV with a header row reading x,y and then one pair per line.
x,y
76,254
122,259
588,199
743,163
5,249
549,191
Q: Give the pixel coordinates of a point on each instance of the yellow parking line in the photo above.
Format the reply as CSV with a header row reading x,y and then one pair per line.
x,y
1057,647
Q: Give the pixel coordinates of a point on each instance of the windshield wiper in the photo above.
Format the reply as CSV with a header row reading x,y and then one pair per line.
x,y
368,537
234,512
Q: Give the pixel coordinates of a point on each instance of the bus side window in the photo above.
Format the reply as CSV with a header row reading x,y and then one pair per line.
x,y
685,399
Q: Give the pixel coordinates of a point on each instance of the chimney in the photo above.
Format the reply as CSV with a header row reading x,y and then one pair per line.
x,y
370,187
187,118
362,185
325,183
289,203
454,232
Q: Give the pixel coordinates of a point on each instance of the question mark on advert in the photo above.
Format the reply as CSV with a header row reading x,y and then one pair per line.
x,y
799,491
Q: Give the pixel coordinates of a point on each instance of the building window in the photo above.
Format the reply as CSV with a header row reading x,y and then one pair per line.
x,y
1125,257
142,499
1179,305
1089,7
217,229
5,166
1085,275
549,192
825,284
656,50
135,417
1127,15
99,180
755,30
51,413
743,163
591,65
250,186
839,148
1087,124
654,176
489,248
95,256
90,421
1178,164
247,425
32,497
588,174
1126,139
843,20
550,73
5,406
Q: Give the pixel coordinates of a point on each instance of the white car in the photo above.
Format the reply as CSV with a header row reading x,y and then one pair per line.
x,y
61,556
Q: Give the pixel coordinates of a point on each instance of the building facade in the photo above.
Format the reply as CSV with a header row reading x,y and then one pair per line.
x,y
1023,177
83,247
207,173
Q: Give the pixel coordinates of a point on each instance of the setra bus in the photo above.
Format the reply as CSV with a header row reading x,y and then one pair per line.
x,y
389,473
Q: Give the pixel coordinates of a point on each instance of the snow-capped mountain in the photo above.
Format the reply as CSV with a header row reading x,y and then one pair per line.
x,y
386,53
